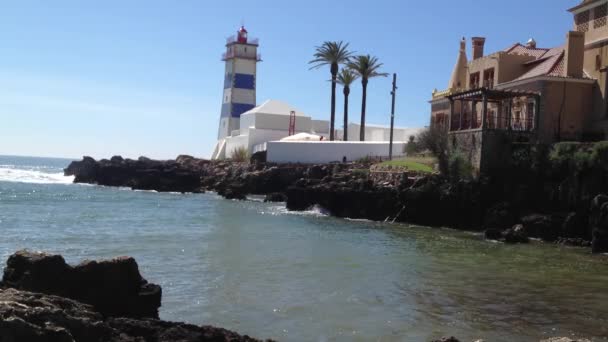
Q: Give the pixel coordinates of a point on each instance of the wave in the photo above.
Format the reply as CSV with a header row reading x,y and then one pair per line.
x,y
8,174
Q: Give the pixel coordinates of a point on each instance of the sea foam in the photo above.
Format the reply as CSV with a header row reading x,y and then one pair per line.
x,y
8,174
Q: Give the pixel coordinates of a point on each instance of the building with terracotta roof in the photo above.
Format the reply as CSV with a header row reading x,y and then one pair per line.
x,y
528,94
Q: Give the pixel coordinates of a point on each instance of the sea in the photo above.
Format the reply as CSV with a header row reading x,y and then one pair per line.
x,y
261,270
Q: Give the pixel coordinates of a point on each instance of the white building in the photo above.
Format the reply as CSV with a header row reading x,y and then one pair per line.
x,y
380,133
267,122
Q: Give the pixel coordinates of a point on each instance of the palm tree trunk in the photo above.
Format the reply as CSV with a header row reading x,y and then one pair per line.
x,y
333,107
363,100
346,92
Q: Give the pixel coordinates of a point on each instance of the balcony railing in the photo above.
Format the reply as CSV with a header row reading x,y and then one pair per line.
x,y
493,121
251,41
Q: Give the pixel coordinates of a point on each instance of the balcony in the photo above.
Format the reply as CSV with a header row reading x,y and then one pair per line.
x,y
250,41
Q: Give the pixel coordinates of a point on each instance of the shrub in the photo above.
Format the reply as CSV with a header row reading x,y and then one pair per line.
x,y
368,160
571,157
240,154
435,140
459,166
599,154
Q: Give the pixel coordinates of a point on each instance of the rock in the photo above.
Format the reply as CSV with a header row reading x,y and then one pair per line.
x,y
576,225
515,234
275,197
37,317
492,234
447,339
114,287
500,216
576,242
541,226
565,339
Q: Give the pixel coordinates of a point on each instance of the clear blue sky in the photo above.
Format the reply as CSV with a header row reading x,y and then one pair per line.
x,y
144,77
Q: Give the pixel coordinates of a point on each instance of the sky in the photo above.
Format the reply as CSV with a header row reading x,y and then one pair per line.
x,y
144,77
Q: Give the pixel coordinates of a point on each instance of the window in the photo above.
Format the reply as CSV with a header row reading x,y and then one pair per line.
x,y
488,78
474,81
582,21
530,116
599,15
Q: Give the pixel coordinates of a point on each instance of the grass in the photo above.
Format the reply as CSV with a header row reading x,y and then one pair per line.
x,y
417,164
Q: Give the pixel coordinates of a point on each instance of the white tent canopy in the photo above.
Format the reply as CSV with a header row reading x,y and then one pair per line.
x,y
302,137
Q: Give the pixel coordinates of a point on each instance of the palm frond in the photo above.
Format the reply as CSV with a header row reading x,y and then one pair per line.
x,y
366,66
346,77
330,53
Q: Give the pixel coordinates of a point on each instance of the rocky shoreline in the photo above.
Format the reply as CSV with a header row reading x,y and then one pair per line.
x,y
43,299
511,209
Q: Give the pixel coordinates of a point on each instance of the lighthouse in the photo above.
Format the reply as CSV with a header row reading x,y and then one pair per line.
x,y
241,58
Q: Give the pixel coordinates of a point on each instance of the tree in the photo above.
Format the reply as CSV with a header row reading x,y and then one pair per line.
x,y
332,54
435,140
366,67
345,78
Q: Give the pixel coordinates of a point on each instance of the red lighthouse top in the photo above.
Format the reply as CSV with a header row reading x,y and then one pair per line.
x,y
242,35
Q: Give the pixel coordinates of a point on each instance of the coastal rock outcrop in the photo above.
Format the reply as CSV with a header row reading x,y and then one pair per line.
x,y
114,287
38,317
42,299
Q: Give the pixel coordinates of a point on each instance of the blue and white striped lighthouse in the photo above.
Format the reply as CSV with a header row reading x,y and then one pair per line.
x,y
241,59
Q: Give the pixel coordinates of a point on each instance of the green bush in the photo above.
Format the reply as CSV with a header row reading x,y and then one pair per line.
x,y
599,154
459,166
570,157
240,154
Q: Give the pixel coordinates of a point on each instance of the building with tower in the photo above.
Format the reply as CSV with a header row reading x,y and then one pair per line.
x,y
526,94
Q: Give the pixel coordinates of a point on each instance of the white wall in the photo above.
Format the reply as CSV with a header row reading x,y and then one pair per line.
x,y
281,122
245,66
232,143
381,133
320,126
243,95
309,152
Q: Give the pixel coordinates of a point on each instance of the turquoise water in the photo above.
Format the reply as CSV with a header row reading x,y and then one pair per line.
x,y
260,270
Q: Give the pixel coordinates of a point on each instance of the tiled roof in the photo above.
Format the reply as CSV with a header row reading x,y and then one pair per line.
x,y
547,67
519,49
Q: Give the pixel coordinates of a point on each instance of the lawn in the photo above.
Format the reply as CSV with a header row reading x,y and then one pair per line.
x,y
417,164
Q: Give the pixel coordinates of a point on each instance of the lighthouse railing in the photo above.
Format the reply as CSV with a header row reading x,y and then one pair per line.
x,y
252,41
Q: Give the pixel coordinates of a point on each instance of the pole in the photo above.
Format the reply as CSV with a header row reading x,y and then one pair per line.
x,y
390,145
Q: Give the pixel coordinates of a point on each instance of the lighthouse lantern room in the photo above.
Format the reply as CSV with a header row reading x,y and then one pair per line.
x,y
241,58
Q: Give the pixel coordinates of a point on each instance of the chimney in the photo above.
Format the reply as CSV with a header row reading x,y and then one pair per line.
x,y
478,43
574,54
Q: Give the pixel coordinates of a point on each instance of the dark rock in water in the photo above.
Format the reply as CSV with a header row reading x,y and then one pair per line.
x,y
499,216
84,171
447,339
515,234
114,287
576,242
275,197
492,234
37,317
576,225
541,226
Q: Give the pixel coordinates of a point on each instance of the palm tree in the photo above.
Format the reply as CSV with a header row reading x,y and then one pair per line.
x,y
332,54
366,67
346,77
